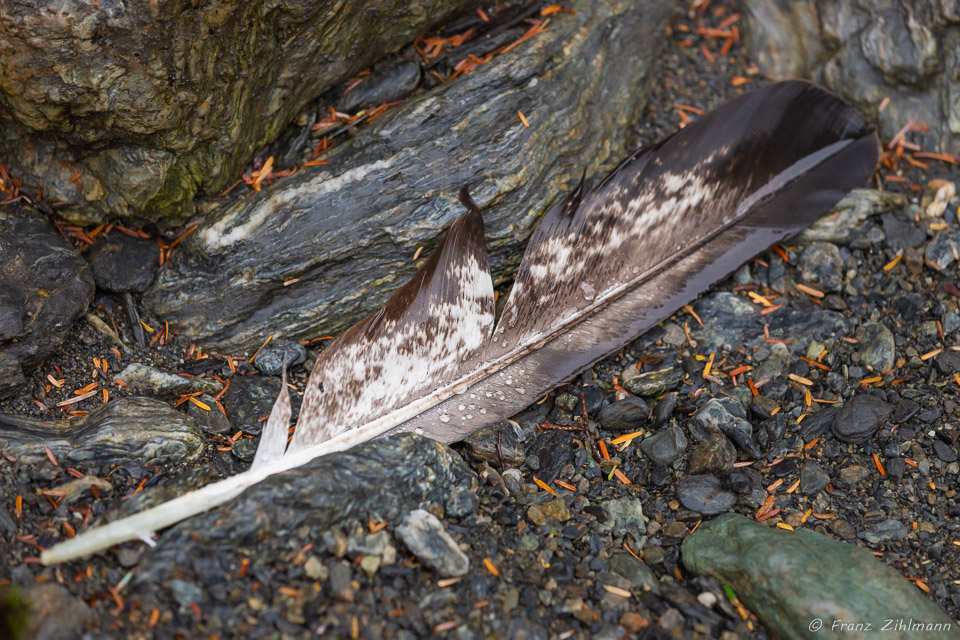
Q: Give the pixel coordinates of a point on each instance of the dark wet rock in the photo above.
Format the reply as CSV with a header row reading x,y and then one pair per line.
x,y
124,430
859,418
635,571
730,320
653,383
269,360
727,416
944,451
812,478
148,131
424,535
624,516
244,449
844,222
250,398
948,362
705,494
716,454
942,250
817,423
349,228
902,233
552,451
152,381
869,52
665,446
664,407
853,474
877,346
821,266
54,614
209,417
385,83
501,439
384,480
776,364
628,414
905,410
122,263
779,576
886,531
44,287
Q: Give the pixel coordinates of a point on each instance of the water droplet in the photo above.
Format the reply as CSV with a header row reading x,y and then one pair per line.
x,y
589,293
444,418
471,407
418,431
488,394
520,390
483,411
470,416
461,407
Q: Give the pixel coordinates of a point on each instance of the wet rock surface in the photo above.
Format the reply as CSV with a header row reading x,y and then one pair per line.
x,y
350,227
794,590
121,263
44,287
126,430
69,95
868,52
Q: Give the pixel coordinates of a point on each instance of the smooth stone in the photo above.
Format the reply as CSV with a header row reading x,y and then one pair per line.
x,y
817,423
859,418
886,531
821,266
654,383
347,229
555,509
489,443
553,451
705,494
944,451
905,410
244,449
635,571
250,398
269,360
44,287
901,232
624,516
845,222
774,365
121,263
779,575
628,414
665,446
948,362
211,420
878,349
812,478
132,429
716,454
425,537
664,407
151,381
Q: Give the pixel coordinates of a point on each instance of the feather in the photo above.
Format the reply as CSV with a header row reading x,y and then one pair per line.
x,y
600,269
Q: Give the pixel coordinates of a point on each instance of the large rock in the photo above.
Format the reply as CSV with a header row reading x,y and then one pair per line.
x,y
797,581
348,229
44,287
384,480
152,101
133,429
867,51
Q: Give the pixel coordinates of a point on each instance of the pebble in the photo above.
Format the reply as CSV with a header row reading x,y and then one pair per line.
x,y
503,438
944,451
635,571
937,196
705,494
269,360
315,569
653,383
812,478
628,414
666,446
664,407
941,252
210,420
425,537
154,382
860,418
624,516
555,509
886,531
821,266
877,346
716,454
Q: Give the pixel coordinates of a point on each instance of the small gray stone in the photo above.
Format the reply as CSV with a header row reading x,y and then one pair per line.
x,y
635,571
151,381
944,451
624,415
244,449
624,516
666,446
860,418
886,531
211,420
812,478
704,494
315,569
425,537
942,251
821,266
269,360
877,347
653,383
121,263
185,593
714,455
